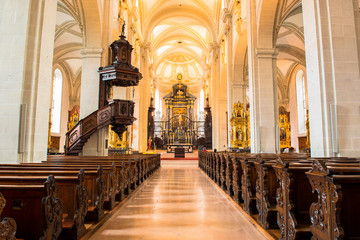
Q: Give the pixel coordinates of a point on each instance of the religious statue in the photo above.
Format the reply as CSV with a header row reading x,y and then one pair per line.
x,y
149,141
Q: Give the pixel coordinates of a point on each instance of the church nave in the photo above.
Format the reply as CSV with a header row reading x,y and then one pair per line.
x,y
178,202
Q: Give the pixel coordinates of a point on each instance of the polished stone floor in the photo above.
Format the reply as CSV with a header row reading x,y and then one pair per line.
x,y
179,202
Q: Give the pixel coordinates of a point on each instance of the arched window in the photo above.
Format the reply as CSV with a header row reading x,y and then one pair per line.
x,y
56,101
301,101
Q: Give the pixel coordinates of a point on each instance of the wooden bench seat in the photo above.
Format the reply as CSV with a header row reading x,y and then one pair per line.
x,y
90,181
94,183
126,172
236,177
104,181
229,175
294,197
71,191
284,186
36,209
334,214
266,186
248,183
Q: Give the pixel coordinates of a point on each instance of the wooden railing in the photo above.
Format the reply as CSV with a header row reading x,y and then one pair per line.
x,y
119,114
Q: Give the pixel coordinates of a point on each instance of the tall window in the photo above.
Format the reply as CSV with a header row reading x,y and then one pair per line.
x,y
56,101
301,101
201,105
158,106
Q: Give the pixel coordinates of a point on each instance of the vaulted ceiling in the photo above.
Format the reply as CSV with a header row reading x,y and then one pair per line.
x,y
180,32
69,37
289,42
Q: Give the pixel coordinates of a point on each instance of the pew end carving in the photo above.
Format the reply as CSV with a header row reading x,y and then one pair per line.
x,y
7,225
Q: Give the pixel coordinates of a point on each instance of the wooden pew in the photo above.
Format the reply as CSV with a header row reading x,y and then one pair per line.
x,y
248,183
266,186
236,177
36,209
126,173
112,175
93,183
212,164
222,173
142,165
71,191
138,171
217,168
229,175
334,214
151,162
7,225
294,197
133,174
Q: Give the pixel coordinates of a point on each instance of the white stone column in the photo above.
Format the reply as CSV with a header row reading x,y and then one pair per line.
x,y
89,95
89,99
215,95
144,91
26,45
262,89
230,70
332,61
266,102
13,30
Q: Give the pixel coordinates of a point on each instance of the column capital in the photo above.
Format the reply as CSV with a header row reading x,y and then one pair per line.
x,y
91,52
267,52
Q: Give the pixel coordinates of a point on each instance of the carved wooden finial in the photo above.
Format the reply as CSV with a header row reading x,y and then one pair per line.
x,y
281,162
319,167
81,176
99,171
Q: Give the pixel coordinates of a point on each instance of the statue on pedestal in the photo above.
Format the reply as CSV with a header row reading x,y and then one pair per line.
x,y
149,141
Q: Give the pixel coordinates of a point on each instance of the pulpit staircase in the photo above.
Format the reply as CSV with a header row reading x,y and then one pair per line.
x,y
117,113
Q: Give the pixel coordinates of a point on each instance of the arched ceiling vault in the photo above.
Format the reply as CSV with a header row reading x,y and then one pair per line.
x,y
180,32
289,42
69,39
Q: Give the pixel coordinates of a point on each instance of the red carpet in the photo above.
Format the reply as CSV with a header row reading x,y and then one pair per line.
x,y
172,158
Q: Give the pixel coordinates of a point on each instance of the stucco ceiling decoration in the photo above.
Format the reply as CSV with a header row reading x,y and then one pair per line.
x,y
180,32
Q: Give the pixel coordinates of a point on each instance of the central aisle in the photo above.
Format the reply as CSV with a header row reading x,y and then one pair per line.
x,y
179,202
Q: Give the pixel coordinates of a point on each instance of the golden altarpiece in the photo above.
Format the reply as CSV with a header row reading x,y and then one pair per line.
x,y
240,127
179,127
179,105
284,128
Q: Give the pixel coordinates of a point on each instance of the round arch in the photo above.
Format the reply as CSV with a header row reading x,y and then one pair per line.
x,y
266,23
240,52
